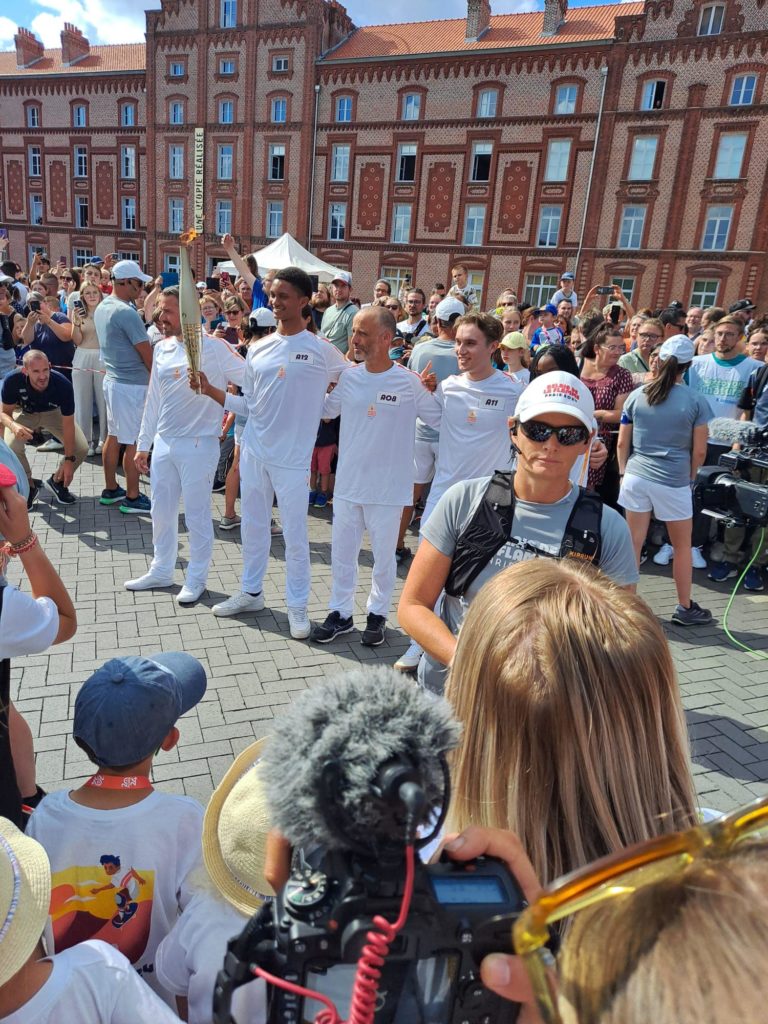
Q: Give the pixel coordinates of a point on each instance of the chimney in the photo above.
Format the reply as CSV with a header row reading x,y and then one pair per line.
x,y
478,19
554,16
74,45
29,49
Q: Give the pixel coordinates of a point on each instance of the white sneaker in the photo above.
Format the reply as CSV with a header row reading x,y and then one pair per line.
x,y
239,604
664,555
99,448
91,451
298,623
148,581
410,660
190,594
698,560
51,445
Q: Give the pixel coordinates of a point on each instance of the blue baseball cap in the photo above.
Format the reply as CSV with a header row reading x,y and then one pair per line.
x,y
550,308
568,276
124,711
95,261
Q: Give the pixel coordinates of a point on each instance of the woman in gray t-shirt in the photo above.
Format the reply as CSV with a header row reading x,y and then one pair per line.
x,y
662,444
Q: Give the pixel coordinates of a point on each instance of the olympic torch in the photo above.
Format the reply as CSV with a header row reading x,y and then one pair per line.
x,y
189,306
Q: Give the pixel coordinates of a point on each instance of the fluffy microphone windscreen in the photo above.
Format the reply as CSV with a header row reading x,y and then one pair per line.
x,y
357,722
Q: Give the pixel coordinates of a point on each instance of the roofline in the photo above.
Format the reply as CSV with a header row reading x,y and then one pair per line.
x,y
489,52
69,73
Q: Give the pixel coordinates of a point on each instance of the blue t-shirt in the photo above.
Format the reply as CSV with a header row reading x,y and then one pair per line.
x,y
60,353
120,328
59,394
547,336
754,398
662,435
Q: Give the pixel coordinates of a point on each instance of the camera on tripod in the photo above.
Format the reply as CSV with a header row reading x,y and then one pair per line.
x,y
732,497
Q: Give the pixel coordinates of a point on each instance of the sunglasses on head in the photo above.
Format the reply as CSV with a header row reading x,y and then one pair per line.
x,y
540,432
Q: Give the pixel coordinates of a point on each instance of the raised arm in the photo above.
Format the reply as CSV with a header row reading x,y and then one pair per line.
x,y
242,267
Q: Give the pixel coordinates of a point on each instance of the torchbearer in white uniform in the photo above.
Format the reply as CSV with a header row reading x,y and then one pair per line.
x,y
379,401
286,377
184,428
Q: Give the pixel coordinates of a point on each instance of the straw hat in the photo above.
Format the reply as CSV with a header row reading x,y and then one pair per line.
x,y
25,895
235,831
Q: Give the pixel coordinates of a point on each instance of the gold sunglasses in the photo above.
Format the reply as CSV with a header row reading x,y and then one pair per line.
x,y
621,874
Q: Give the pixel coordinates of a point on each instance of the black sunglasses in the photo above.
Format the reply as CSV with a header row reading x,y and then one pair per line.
x,y
540,432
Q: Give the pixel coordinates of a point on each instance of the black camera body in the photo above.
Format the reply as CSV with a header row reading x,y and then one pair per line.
x,y
315,931
729,497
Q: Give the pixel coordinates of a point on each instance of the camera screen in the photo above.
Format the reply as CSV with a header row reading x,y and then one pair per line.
x,y
416,991
468,889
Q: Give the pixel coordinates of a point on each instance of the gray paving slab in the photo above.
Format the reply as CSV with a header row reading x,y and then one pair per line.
x,y
255,668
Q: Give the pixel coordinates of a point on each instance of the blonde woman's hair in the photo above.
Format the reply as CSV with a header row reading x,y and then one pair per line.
x,y
574,733
688,950
209,295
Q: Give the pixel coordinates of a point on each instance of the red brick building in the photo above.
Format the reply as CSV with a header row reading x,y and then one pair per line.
x,y
626,141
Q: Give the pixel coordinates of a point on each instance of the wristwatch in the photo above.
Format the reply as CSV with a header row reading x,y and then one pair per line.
x,y
70,458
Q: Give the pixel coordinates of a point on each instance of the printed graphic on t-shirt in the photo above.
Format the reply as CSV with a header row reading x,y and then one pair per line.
x,y
517,549
107,901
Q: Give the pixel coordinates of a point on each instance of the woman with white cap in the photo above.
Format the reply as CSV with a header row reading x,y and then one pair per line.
x,y
662,444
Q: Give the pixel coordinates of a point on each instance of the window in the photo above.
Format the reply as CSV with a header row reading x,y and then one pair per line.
x,y
175,216
481,161
276,162
176,162
125,254
474,225
411,106
223,216
401,223
343,108
177,69
35,162
36,209
79,115
627,285
274,219
340,163
487,102
652,97
176,112
128,210
128,115
743,90
33,117
280,66
476,280
127,161
730,155
631,228
337,221
704,293
565,99
711,20
279,110
549,225
81,211
228,13
558,155
224,156
226,111
717,227
226,66
643,157
171,263
396,277
81,162
538,288
406,162
82,256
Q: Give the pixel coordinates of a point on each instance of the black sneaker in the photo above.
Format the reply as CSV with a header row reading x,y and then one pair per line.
x,y
219,486
373,634
691,616
402,555
111,497
34,490
60,493
333,626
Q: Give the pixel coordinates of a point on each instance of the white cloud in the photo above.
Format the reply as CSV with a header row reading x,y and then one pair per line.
x,y
7,32
101,21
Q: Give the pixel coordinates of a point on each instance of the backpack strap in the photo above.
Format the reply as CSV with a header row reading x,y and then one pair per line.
x,y
582,534
485,533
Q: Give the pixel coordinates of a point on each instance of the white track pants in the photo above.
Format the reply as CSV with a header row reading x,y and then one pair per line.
x,y
88,384
383,525
183,467
258,483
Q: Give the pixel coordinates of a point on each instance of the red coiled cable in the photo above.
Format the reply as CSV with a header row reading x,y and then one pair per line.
x,y
372,959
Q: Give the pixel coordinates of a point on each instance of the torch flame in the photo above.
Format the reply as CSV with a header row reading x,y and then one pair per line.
x,y
188,237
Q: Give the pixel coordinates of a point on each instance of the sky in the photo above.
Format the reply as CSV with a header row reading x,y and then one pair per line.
x,y
108,21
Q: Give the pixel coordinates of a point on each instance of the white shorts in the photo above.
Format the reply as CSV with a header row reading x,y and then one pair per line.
x,y
424,460
125,406
668,504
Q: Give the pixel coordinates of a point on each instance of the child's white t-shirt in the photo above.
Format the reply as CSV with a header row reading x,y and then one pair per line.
x,y
188,960
119,875
92,984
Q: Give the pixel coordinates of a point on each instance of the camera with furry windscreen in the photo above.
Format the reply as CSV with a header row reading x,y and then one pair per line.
x,y
363,932
732,496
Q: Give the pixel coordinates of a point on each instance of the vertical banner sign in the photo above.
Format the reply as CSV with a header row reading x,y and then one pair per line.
x,y
199,178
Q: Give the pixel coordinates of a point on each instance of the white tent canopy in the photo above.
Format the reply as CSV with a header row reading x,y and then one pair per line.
x,y
287,252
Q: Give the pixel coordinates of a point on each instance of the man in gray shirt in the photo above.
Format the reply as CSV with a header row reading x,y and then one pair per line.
x,y
336,324
127,355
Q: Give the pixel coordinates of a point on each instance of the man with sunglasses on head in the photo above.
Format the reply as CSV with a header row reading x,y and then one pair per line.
x,y
127,355
480,527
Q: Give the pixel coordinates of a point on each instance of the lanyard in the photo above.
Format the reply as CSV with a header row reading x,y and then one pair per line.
x,y
122,782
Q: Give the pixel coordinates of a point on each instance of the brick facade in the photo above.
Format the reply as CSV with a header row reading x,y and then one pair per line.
x,y
400,149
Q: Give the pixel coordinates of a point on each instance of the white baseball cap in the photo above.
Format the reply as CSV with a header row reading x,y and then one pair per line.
x,y
448,308
680,346
126,269
263,317
344,276
557,392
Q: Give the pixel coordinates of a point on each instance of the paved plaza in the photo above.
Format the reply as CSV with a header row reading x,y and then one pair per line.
x,y
255,668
